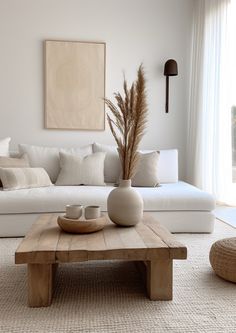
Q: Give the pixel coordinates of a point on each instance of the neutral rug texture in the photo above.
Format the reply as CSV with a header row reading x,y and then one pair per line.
x,y
226,214
110,297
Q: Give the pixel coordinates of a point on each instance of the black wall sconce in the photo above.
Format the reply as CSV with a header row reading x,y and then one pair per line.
x,y
170,69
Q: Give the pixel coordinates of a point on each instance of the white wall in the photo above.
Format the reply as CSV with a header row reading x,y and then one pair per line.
x,y
135,31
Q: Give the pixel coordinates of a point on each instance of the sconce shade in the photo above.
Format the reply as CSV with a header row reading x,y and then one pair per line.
x,y
171,68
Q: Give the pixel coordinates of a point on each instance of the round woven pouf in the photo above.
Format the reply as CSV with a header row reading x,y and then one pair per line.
x,y
223,258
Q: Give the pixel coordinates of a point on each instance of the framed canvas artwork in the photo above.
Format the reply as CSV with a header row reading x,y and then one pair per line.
x,y
74,85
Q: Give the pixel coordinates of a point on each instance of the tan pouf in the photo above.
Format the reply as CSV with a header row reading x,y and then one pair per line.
x,y
223,258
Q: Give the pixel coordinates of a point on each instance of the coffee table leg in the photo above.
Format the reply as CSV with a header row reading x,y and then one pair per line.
x,y
160,279
40,283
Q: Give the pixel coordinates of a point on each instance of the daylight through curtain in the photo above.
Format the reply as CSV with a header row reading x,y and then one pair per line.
x,y
211,99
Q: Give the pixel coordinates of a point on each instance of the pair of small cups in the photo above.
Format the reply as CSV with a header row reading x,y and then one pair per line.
x,y
76,211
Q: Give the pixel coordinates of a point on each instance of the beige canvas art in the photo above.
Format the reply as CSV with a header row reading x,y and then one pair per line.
x,y
74,85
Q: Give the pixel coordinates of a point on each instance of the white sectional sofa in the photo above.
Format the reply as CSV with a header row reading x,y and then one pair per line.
x,y
177,205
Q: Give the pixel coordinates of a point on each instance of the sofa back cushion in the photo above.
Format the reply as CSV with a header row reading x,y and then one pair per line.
x,y
112,167
4,147
20,178
76,170
167,170
48,157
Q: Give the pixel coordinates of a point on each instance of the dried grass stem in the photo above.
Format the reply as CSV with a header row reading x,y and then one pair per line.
x,y
128,122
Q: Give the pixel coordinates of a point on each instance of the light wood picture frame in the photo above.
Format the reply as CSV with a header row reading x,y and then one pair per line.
x,y
74,85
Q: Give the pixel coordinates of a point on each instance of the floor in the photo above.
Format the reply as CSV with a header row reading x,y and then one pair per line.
x,y
110,297
226,214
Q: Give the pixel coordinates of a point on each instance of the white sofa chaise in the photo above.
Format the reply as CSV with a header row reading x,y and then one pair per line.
x,y
177,205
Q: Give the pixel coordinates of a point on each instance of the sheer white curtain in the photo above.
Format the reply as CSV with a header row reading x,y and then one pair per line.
x,y
209,131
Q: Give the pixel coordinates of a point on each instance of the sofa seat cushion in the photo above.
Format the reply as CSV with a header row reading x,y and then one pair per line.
x,y
48,157
168,197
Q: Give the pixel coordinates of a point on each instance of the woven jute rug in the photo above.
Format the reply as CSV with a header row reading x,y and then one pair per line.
x,y
110,296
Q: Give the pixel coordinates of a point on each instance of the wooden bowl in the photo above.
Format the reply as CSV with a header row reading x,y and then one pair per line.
x,y
81,226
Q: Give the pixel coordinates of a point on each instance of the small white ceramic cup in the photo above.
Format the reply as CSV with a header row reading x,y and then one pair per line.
x,y
74,211
92,212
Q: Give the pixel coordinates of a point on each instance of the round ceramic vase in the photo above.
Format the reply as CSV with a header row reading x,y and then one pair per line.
x,y
125,205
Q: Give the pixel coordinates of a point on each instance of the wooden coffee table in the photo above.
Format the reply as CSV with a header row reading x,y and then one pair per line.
x,y
45,246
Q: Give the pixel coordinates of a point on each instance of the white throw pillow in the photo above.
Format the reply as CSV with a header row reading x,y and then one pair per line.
x,y
147,170
4,147
167,164
20,178
14,162
112,166
48,157
76,170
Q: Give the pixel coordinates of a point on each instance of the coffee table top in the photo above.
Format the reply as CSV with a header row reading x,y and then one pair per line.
x,y
47,243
